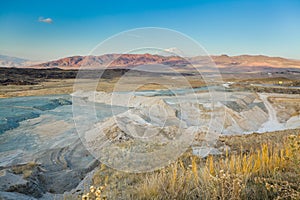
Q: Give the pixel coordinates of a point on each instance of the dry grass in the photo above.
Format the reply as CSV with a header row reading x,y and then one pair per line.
x,y
267,171
25,169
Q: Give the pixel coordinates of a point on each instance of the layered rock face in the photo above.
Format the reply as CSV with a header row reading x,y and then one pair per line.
x,y
239,112
151,122
236,112
40,154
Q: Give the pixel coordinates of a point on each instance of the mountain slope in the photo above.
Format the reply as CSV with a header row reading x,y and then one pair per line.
x,y
255,60
9,61
246,63
113,60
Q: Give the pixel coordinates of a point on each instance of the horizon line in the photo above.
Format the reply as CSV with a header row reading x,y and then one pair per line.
x,y
223,54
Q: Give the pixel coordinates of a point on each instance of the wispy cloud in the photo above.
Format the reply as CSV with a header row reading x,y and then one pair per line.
x,y
175,51
45,20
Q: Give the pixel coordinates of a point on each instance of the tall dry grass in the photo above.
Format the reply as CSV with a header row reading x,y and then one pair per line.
x,y
263,173
266,173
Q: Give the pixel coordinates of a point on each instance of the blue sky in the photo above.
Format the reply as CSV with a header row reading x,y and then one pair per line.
x,y
230,27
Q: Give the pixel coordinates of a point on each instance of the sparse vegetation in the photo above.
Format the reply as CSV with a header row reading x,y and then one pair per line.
x,y
95,193
25,169
265,171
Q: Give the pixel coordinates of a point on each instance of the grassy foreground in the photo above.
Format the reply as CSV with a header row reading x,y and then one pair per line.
x,y
268,169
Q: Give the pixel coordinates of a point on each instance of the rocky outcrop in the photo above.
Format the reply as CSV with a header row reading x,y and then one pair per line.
x,y
10,182
50,140
60,170
245,112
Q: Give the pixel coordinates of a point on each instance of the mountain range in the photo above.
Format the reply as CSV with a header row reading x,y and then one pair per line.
x,y
232,63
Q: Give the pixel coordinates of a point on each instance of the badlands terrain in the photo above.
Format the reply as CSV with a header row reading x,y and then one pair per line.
x,y
44,155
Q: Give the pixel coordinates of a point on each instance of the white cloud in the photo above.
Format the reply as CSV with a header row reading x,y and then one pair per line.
x,y
172,51
45,20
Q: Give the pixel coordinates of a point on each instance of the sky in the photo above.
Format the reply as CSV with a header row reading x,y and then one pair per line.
x,y
48,30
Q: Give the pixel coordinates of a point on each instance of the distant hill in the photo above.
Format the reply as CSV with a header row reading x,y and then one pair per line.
x,y
255,61
10,61
113,60
242,63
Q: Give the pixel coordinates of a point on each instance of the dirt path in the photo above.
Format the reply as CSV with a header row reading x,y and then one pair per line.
x,y
272,124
